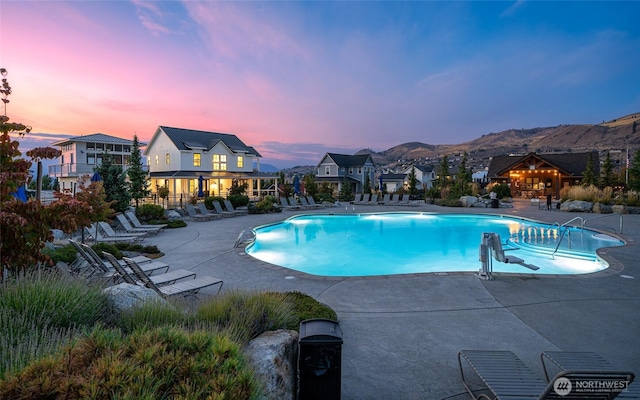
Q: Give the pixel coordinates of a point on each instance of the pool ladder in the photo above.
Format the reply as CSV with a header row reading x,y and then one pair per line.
x,y
565,228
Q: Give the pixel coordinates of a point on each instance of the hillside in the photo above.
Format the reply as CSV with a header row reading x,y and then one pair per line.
x,y
612,135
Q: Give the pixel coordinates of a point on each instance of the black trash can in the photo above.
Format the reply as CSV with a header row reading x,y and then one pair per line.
x,y
319,360
495,203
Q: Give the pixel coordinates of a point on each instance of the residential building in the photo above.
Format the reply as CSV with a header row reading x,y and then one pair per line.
x,y
534,175
391,183
201,163
81,155
335,169
425,175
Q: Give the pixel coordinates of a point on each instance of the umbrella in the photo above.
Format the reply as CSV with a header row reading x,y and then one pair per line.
x,y
381,183
96,177
296,185
200,192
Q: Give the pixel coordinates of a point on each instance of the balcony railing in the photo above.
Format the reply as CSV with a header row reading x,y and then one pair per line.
x,y
67,170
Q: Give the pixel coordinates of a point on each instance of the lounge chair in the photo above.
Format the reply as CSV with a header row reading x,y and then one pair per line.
x,y
386,199
205,211
97,236
161,279
365,199
312,202
404,199
284,203
230,208
554,362
505,376
293,202
126,225
193,214
395,199
357,199
374,200
304,200
151,267
184,288
137,224
110,232
220,211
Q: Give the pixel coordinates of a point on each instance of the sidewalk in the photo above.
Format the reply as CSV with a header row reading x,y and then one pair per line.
x,y
402,333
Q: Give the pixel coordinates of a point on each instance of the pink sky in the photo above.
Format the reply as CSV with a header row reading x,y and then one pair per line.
x,y
298,79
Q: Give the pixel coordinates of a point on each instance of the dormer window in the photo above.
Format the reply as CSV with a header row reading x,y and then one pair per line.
x,y
196,159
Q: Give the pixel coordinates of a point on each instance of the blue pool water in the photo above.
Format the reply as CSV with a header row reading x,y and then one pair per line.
x,y
404,243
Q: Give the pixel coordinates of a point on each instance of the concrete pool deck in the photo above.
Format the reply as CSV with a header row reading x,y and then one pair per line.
x,y
402,333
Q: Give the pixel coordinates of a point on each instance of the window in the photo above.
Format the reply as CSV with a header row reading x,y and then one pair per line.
x,y
125,159
220,162
72,158
109,147
91,146
117,147
148,160
117,159
350,171
240,162
167,158
327,170
99,146
91,158
157,159
359,170
196,159
126,149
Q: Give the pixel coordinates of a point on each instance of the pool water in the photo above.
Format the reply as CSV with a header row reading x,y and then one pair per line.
x,y
405,243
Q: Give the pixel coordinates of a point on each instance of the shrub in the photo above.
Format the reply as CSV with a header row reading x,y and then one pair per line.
x,y
267,205
160,363
150,315
449,202
147,212
238,200
66,253
587,193
109,248
41,310
173,223
501,191
246,315
208,201
306,307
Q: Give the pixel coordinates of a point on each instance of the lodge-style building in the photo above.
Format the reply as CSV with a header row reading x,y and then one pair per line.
x,y
535,175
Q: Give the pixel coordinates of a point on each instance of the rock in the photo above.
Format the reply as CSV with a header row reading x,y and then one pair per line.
x,y
619,209
274,357
482,204
602,208
576,206
468,201
173,215
633,210
125,296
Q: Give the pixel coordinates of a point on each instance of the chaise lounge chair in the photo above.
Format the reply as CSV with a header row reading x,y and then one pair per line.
x,y
193,214
137,224
313,203
220,211
166,278
506,376
386,199
205,211
183,288
110,232
231,209
97,236
126,225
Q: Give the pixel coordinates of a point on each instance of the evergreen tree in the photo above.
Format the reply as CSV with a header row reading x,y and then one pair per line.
x,y
115,184
413,181
463,178
346,194
138,178
310,185
589,176
366,187
442,175
608,177
634,172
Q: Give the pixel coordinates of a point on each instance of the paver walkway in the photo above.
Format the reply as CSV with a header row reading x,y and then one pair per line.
x,y
402,333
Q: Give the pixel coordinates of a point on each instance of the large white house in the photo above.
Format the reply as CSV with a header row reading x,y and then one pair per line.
x,y
335,169
200,163
81,155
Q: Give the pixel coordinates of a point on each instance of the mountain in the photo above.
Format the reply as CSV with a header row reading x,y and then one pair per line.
x,y
618,134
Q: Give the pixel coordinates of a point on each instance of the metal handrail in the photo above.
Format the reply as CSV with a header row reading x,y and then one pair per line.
x,y
573,219
603,216
565,230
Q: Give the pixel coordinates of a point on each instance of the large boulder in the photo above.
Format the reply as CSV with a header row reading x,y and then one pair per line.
x,y
602,208
125,296
619,209
173,215
468,201
576,206
274,357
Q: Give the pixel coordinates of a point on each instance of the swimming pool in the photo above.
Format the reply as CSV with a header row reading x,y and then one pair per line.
x,y
417,242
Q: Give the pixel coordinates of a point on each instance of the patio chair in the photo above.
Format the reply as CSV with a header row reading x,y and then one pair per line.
x,y
404,199
395,199
184,288
386,199
97,236
230,208
220,211
193,214
110,232
313,203
357,198
374,200
506,376
137,224
166,278
305,203
122,220
293,202
205,211
150,267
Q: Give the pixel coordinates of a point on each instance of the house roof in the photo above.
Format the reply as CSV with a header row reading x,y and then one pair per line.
x,y
188,139
335,179
573,164
393,177
96,138
346,160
